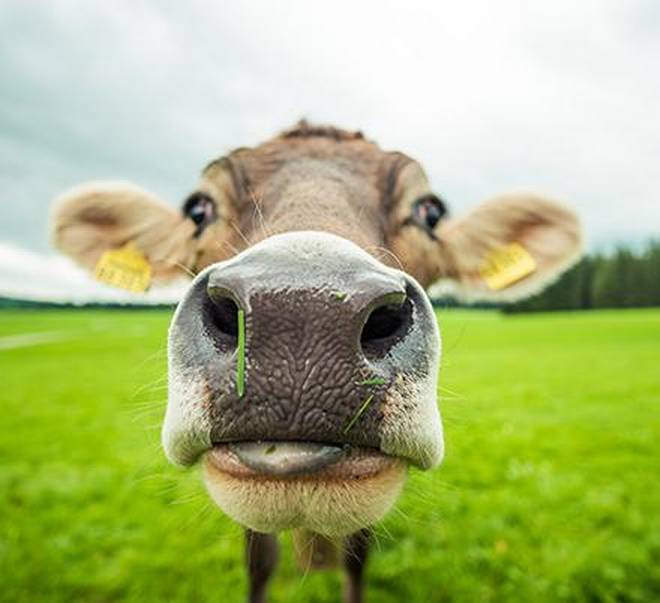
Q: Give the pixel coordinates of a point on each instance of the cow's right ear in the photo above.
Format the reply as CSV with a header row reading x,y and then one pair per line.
x,y
95,217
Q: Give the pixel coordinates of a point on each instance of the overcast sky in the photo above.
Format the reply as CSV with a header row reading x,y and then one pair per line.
x,y
559,97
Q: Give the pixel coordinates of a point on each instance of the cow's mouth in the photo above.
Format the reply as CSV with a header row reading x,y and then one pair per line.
x,y
278,485
286,460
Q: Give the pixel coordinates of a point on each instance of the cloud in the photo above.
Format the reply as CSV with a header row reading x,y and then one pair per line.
x,y
561,97
26,274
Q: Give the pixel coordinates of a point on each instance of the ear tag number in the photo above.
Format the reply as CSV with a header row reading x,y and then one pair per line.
x,y
125,267
507,265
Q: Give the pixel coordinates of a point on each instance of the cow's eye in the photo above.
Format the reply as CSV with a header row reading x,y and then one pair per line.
x,y
200,208
427,211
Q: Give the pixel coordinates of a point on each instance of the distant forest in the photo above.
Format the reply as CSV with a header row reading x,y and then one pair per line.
x,y
622,279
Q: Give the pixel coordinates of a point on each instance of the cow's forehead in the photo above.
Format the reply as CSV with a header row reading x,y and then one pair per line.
x,y
317,179
346,150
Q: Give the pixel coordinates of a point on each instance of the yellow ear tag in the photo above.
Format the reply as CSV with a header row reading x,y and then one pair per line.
x,y
125,267
507,265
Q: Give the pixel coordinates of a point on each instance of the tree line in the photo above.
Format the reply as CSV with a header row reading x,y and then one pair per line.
x,y
622,279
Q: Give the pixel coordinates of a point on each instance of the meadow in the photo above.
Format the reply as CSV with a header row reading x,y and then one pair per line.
x,y
549,490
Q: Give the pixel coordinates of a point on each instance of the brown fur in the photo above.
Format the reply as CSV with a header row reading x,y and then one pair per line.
x,y
312,179
303,129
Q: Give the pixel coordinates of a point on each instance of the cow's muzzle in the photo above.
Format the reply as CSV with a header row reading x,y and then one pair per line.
x,y
307,341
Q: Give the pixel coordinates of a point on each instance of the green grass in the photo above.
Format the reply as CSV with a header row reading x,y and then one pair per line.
x,y
240,360
549,491
359,413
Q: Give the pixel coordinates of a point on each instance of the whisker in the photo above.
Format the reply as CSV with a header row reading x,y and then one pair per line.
x,y
229,245
185,269
240,233
259,213
387,252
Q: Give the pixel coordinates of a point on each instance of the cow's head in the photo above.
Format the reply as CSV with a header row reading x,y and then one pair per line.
x,y
303,359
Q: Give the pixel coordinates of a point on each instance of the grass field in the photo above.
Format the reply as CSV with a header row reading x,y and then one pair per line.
x,y
549,491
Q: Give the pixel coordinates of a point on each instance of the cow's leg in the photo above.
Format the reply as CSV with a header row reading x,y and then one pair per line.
x,y
261,554
356,549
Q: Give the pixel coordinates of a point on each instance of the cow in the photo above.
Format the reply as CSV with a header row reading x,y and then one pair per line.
x,y
303,359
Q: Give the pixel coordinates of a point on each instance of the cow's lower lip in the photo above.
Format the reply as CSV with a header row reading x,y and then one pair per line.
x,y
297,460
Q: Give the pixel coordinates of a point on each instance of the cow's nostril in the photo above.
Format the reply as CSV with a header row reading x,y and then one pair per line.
x,y
385,325
382,323
223,312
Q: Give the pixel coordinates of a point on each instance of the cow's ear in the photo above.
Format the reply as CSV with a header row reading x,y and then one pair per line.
x,y
99,216
510,247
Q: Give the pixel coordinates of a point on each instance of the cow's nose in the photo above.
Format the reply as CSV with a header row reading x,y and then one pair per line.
x,y
361,314
302,341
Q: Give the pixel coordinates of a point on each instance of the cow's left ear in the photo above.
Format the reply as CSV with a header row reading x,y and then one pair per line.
x,y
510,247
